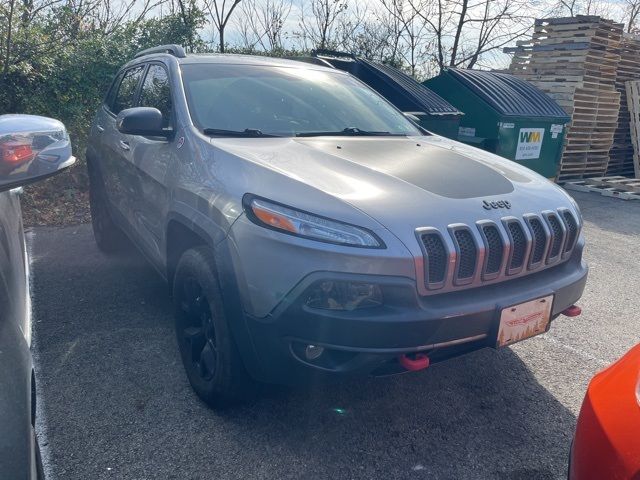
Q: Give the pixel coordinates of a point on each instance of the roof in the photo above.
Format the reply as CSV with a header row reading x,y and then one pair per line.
x,y
228,59
399,88
507,94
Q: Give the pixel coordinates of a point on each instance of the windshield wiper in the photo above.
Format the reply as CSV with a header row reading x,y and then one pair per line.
x,y
349,131
247,132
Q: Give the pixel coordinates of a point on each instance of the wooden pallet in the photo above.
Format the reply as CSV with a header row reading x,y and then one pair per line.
x,y
628,69
633,95
617,186
575,60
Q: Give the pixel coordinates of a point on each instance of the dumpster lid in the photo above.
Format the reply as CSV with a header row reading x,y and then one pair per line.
x,y
509,95
402,90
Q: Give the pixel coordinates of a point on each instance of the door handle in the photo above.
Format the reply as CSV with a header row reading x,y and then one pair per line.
x,y
124,145
100,127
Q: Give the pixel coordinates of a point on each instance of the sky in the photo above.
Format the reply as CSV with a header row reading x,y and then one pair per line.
x,y
609,8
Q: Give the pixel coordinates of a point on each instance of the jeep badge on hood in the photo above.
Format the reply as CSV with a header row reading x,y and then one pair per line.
x,y
498,204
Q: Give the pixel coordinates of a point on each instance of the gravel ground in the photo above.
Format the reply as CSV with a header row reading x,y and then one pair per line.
x,y
114,402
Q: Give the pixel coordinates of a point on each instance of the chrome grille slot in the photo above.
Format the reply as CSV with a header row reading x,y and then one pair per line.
x,y
539,236
467,254
518,246
557,237
572,231
494,250
436,254
461,255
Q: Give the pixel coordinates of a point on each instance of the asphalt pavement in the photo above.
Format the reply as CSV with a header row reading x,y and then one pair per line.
x,y
114,402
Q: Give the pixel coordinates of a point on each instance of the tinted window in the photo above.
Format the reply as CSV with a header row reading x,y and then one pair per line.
x,y
286,101
111,96
127,90
156,93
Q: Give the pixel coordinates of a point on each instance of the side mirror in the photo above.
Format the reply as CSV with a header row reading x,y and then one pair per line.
x,y
144,121
31,148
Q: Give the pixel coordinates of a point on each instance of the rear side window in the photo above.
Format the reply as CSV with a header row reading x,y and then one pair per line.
x,y
127,91
111,95
156,93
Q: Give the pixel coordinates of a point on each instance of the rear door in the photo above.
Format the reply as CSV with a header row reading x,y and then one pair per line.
x,y
149,162
98,147
116,146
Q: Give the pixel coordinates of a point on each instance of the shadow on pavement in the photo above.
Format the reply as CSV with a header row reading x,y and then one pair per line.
x,y
115,402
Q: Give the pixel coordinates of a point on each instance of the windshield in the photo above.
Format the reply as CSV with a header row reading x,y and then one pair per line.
x,y
286,101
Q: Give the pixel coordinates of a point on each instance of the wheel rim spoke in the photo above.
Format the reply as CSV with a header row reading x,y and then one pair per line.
x,y
198,329
208,358
196,340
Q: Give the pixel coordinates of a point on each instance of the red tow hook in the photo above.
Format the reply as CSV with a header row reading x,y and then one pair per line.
x,y
419,362
572,311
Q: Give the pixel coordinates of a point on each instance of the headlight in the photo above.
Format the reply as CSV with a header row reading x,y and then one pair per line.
x,y
303,224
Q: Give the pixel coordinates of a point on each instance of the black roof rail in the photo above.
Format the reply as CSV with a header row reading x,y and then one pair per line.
x,y
175,50
323,52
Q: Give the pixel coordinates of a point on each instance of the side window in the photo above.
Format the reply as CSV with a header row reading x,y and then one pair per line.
x,y
111,95
127,90
156,93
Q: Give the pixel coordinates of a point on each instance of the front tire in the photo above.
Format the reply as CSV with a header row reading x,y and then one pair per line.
x,y
209,353
108,237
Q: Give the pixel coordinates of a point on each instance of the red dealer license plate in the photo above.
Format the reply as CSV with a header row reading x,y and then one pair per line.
x,y
525,320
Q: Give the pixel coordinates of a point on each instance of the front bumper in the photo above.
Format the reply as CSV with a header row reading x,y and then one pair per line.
x,y
369,341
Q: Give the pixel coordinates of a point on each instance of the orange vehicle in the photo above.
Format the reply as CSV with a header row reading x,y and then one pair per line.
x,y
607,439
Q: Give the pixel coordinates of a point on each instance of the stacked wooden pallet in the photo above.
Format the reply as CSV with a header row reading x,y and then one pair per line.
x,y
574,60
633,97
621,155
617,187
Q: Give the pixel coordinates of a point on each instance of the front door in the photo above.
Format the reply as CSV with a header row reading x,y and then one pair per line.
x,y
151,158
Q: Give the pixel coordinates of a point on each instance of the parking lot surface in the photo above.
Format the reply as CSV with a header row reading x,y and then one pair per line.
x,y
114,401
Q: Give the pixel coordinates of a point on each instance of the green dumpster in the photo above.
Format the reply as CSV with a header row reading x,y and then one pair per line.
x,y
507,116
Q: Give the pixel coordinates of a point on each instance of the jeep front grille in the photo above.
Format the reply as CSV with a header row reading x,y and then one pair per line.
x,y
467,254
494,250
490,252
518,241
557,237
436,258
572,231
540,237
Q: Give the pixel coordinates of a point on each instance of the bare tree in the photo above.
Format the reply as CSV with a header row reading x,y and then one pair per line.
x,y
9,11
409,31
362,34
110,15
567,7
16,17
632,16
573,8
318,28
463,31
220,12
263,23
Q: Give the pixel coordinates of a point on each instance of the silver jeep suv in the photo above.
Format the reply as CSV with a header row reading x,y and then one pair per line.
x,y
307,227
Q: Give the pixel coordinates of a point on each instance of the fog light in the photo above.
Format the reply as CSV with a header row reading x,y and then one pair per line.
x,y
343,295
312,352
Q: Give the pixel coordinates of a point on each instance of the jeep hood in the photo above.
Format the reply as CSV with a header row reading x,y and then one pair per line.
x,y
400,179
